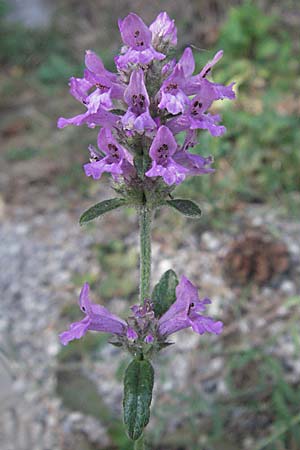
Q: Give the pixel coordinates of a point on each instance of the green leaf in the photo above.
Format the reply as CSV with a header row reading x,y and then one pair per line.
x,y
101,208
138,385
164,293
185,207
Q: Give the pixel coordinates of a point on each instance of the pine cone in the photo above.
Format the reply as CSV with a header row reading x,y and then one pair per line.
x,y
255,256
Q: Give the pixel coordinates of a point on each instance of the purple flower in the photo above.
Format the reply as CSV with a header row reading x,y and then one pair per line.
x,y
95,91
117,161
97,318
131,334
187,62
136,96
172,95
196,164
184,312
100,117
143,311
163,31
195,118
137,38
96,74
181,84
162,149
149,339
168,68
197,84
95,66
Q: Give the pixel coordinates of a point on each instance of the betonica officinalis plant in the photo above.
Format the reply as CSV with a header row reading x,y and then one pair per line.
x,y
140,111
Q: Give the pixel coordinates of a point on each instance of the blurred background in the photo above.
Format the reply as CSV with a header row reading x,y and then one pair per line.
x,y
235,392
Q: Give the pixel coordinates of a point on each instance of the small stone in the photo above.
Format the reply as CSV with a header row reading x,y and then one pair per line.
x,y
210,386
288,287
22,228
217,363
249,443
210,241
257,221
222,388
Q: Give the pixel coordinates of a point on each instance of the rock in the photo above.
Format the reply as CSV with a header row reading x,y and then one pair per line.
x,y
288,287
255,256
209,241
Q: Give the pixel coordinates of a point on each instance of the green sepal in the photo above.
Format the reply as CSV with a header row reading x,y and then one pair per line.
x,y
139,165
138,386
115,343
185,207
164,293
119,112
101,208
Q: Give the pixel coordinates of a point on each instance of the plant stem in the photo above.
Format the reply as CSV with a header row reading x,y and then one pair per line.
x,y
139,444
145,255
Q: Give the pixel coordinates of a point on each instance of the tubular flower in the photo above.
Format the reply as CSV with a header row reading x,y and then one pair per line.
x,y
163,31
136,96
117,161
185,312
162,151
97,318
137,39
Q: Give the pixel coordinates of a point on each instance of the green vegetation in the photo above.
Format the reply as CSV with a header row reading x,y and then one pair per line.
x,y
45,51
118,263
79,393
21,154
258,159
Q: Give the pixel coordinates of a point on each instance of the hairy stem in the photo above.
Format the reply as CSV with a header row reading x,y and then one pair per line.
x,y
145,255
139,444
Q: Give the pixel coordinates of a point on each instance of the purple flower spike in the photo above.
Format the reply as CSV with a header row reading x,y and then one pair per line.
x,y
136,96
147,123
161,151
117,161
97,318
163,31
184,313
137,37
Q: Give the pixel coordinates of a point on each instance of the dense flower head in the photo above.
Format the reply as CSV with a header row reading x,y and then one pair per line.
x,y
143,331
145,106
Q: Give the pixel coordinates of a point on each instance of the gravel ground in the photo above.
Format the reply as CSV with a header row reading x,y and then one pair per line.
x,y
38,257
